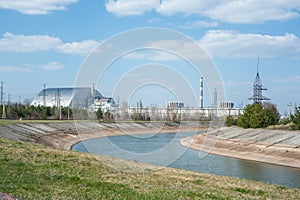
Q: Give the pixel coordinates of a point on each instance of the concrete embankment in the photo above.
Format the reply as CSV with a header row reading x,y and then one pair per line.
x,y
63,135
269,146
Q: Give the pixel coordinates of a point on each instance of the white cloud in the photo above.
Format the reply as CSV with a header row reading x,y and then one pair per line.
x,y
14,69
187,7
52,66
225,43
199,24
31,43
130,7
235,11
35,7
22,43
82,47
254,11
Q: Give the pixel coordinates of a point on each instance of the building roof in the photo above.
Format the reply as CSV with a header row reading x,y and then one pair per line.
x,y
66,96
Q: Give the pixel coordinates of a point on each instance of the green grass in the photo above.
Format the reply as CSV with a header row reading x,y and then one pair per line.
x,y
32,171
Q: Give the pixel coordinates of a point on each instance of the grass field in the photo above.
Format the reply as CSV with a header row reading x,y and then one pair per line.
x,y
32,171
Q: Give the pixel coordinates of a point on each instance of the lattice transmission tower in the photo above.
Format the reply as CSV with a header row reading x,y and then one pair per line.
x,y
258,88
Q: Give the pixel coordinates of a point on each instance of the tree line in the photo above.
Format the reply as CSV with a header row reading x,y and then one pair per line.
x,y
263,115
28,112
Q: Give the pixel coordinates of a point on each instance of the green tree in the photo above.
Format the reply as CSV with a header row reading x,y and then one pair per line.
x,y
258,116
244,119
99,114
271,115
230,121
296,119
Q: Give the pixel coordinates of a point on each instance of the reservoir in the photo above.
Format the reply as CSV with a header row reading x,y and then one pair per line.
x,y
165,150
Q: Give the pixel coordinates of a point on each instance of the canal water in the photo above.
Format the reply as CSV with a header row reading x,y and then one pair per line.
x,y
166,150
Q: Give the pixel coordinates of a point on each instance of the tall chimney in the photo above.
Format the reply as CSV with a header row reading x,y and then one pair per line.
x,y
201,92
93,90
215,103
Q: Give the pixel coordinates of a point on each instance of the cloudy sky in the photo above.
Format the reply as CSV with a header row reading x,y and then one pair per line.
x,y
46,41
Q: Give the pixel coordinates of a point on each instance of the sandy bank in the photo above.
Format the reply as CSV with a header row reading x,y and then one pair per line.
x,y
280,148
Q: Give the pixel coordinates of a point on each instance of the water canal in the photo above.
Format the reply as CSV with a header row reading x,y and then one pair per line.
x,y
165,150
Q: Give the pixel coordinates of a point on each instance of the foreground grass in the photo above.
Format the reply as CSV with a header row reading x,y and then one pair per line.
x,y
31,171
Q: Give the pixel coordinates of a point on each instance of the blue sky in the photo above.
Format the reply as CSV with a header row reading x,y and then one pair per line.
x,y
46,41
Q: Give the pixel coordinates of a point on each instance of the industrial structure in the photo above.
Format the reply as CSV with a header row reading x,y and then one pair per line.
x,y
180,113
90,99
2,102
176,110
75,97
175,104
258,88
104,103
201,93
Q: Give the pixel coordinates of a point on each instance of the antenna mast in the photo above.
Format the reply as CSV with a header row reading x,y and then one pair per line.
x,y
2,102
257,64
1,92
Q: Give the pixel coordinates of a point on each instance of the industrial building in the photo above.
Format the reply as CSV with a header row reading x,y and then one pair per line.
x,y
105,103
178,111
74,97
182,113
175,104
90,99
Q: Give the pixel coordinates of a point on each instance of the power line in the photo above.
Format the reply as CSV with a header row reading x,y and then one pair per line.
x,y
2,102
8,99
1,92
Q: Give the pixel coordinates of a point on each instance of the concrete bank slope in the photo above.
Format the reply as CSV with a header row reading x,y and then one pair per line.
x,y
269,146
63,135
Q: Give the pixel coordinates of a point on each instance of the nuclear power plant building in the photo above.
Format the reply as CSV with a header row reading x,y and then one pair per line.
x,y
78,97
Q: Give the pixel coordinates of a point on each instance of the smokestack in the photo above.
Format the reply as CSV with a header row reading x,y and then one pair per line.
x,y
215,104
201,92
93,90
